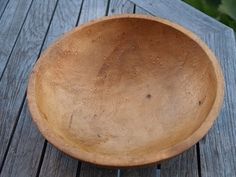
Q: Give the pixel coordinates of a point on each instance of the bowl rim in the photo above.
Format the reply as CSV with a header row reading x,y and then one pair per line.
x,y
125,161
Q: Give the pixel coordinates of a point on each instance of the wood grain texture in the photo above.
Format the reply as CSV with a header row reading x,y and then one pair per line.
x,y
120,7
139,10
25,151
218,148
93,9
88,170
64,19
11,23
3,4
14,81
184,164
140,172
57,164
28,156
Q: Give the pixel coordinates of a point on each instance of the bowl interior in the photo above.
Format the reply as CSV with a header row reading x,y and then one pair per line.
x,y
124,87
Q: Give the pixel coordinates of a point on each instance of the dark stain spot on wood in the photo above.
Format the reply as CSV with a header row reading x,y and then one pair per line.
x,y
71,118
98,136
103,70
202,101
95,115
148,96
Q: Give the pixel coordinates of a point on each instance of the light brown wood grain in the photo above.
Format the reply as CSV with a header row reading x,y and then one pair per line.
x,y
126,91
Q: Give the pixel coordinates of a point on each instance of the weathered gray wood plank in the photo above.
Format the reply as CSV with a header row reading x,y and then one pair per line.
x,y
14,80
93,9
120,7
55,163
3,4
25,151
139,10
10,24
140,172
182,165
218,148
64,19
88,170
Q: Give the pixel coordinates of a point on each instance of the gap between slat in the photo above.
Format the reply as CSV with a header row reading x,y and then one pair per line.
x,y
80,11
41,158
199,160
78,169
134,10
108,6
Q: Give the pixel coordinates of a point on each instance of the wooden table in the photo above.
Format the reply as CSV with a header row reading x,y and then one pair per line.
x,y
27,27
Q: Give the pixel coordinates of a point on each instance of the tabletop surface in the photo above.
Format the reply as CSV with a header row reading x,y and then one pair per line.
x,y
28,27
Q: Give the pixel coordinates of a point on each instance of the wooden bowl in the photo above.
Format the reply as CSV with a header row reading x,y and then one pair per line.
x,y
126,91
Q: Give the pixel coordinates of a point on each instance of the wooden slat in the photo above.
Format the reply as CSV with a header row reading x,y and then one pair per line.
x,y
120,7
182,165
10,24
3,4
26,154
218,148
65,18
57,164
93,9
14,80
88,170
140,172
139,10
